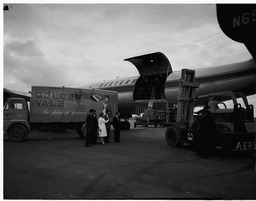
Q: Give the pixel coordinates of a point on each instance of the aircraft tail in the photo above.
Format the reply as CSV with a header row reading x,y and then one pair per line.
x,y
238,22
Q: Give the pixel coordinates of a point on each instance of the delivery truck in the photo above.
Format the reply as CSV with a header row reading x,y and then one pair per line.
x,y
54,108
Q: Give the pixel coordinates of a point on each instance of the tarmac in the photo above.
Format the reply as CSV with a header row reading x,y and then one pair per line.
x,y
143,166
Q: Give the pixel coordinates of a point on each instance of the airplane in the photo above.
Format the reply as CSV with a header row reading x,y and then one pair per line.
x,y
134,93
158,83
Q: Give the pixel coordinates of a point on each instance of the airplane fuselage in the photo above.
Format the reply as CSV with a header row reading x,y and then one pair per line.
x,y
238,77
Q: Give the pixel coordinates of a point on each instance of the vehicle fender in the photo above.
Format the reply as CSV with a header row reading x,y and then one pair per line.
x,y
24,123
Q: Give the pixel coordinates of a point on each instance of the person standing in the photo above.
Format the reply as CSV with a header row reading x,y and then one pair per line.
x,y
107,106
207,134
94,128
102,128
89,129
108,124
116,124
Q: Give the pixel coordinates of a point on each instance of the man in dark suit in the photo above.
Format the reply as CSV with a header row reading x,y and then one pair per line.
x,y
91,128
95,128
207,134
116,124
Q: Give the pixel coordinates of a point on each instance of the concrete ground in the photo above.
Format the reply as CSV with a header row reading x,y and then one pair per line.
x,y
142,166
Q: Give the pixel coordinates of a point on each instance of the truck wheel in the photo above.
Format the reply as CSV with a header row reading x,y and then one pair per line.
x,y
172,136
17,133
127,125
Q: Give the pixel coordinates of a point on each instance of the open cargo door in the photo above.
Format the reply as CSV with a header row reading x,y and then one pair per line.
x,y
154,69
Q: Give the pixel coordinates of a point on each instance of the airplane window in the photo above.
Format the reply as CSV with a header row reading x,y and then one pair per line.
x,y
133,81
127,81
121,82
102,85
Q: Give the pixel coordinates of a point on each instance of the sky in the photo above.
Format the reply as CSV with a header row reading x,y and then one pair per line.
x,y
73,45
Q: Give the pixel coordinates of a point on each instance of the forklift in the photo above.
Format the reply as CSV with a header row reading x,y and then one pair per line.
x,y
236,129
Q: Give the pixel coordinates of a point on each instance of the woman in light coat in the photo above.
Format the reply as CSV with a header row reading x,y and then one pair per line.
x,y
102,127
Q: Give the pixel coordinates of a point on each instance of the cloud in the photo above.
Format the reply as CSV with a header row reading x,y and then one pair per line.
x,y
77,44
22,21
26,66
26,49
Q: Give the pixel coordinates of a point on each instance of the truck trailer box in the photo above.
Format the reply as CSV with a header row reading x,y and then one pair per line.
x,y
61,104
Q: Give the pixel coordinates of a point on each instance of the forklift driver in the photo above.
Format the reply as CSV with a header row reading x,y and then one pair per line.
x,y
207,134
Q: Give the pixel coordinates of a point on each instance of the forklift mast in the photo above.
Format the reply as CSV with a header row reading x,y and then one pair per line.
x,y
186,97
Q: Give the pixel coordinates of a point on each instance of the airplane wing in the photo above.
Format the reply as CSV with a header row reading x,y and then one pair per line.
x,y
12,93
237,21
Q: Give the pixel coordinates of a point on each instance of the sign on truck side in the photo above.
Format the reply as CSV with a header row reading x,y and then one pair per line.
x,y
52,108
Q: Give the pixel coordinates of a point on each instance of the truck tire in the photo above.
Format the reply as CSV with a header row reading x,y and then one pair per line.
x,y
17,133
127,125
172,136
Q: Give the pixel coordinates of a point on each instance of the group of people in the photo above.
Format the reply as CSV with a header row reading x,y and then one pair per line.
x,y
100,128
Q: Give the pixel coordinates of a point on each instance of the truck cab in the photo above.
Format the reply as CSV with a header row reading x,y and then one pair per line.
x,y
16,119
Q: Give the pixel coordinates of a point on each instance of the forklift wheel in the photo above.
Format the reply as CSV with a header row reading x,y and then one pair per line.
x,y
172,136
